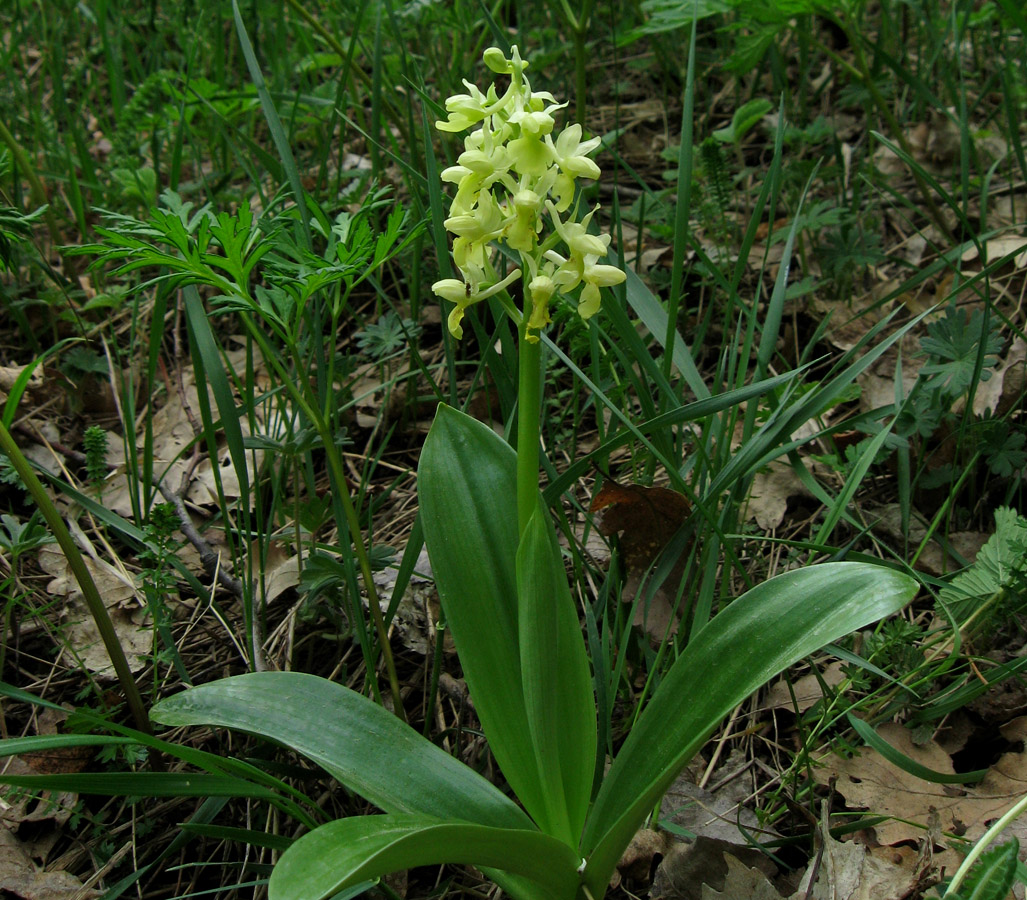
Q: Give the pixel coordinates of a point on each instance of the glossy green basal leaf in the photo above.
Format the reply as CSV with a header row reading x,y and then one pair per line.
x,y
352,738
557,682
347,851
466,484
761,633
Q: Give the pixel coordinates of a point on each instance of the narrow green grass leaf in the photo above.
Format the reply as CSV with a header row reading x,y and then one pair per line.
x,y
21,382
682,213
1015,13
142,784
274,123
652,314
214,373
44,742
897,758
243,835
215,765
839,505
689,412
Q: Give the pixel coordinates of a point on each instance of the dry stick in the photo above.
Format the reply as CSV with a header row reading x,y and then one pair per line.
x,y
210,560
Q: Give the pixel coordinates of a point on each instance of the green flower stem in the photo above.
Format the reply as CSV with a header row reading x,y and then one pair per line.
x,y
529,398
986,840
85,581
352,520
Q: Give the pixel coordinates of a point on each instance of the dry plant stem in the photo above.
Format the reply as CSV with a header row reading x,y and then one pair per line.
x,y
208,558
82,576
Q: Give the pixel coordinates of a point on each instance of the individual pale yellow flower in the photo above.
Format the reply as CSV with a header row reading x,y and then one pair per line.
x,y
455,291
576,236
540,291
464,110
568,151
596,276
522,233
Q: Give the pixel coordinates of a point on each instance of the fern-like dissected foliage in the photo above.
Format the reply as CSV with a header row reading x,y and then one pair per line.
x,y
996,584
715,171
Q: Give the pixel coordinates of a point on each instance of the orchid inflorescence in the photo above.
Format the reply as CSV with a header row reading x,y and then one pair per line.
x,y
511,173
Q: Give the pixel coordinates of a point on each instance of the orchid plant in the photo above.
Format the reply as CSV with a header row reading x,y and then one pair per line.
x,y
559,831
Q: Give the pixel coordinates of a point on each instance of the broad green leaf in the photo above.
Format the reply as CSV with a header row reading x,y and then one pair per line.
x,y
466,482
761,633
352,738
557,681
346,851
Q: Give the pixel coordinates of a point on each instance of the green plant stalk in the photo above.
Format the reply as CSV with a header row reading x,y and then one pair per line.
x,y
85,581
529,397
352,520
985,841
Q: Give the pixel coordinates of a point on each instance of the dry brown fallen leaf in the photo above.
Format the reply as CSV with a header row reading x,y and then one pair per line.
x,y
20,879
415,614
124,605
870,782
771,489
715,870
852,871
806,690
712,868
172,428
713,814
645,518
887,520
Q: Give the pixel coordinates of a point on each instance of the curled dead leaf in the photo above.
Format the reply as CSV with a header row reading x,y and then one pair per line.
x,y
645,519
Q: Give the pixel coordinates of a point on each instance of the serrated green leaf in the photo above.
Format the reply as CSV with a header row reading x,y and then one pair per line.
x,y
1000,567
992,876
